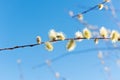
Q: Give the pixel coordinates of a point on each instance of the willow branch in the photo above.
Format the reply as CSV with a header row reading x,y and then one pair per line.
x,y
90,9
32,45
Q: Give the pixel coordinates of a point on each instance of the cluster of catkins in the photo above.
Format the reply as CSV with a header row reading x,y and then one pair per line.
x,y
54,36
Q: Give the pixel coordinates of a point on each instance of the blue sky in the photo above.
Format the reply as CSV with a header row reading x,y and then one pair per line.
x,y
22,20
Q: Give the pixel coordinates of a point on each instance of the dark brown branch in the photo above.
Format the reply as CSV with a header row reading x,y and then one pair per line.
x,y
32,45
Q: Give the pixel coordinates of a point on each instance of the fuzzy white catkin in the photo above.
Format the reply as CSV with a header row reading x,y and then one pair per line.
x,y
48,46
19,61
79,35
114,36
100,55
80,17
52,35
107,69
103,32
38,39
87,33
60,36
100,6
96,40
71,13
57,75
107,0
71,45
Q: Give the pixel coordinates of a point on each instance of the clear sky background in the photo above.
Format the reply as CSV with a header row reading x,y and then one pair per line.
x,y
22,20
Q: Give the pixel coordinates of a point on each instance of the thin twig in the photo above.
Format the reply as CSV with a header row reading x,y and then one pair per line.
x,y
90,9
74,53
